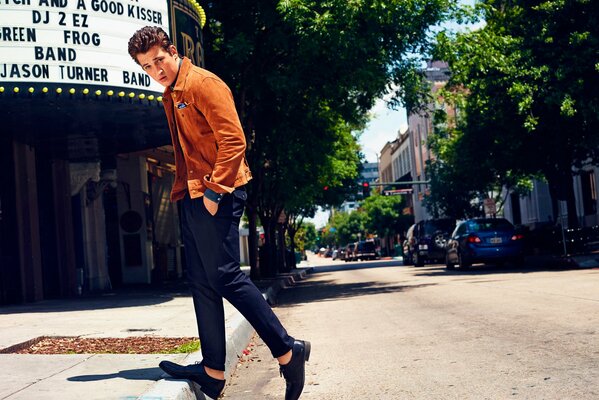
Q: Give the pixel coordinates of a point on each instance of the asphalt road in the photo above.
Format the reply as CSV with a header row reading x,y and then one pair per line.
x,y
380,330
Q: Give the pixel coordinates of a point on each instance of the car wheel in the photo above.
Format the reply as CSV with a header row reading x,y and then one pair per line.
x,y
418,261
463,261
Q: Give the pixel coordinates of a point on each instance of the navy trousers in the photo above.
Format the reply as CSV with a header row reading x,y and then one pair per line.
x,y
212,254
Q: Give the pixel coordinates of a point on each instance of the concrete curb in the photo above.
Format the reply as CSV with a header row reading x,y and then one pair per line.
x,y
283,281
239,332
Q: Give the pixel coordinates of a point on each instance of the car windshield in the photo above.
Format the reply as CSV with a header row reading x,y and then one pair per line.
x,y
485,225
443,225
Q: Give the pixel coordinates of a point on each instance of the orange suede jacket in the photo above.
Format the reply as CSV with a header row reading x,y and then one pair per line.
x,y
206,132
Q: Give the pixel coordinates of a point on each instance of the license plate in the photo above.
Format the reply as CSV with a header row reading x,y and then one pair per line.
x,y
495,240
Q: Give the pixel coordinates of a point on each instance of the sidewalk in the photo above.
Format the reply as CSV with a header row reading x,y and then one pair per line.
x,y
163,312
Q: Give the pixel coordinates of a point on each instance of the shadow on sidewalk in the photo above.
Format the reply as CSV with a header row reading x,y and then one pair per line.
x,y
147,374
133,296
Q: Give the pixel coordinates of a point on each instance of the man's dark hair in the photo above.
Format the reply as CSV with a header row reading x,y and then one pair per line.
x,y
146,38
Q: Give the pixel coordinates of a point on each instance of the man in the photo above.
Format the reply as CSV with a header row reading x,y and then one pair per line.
x,y
211,171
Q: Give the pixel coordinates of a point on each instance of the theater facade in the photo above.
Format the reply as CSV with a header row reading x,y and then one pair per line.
x,y
85,161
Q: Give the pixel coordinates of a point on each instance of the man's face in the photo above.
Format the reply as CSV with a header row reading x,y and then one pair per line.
x,y
161,65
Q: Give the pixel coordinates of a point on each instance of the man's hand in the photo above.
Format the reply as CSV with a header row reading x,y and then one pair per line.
x,y
210,205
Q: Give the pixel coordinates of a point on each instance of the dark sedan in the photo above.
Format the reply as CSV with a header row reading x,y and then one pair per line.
x,y
484,240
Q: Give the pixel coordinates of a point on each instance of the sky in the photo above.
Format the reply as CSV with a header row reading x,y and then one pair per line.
x,y
382,128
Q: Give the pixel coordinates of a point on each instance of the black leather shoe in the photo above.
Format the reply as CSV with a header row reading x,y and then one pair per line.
x,y
195,372
295,371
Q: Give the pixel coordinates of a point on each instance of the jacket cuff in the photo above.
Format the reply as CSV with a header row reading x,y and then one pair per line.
x,y
216,187
213,196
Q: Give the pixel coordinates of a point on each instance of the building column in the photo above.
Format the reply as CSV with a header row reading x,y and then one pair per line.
x,y
27,218
134,204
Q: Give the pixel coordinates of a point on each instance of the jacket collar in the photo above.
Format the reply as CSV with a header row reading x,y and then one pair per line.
x,y
186,66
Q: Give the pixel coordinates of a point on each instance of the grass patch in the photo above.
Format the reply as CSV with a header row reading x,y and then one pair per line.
x,y
189,347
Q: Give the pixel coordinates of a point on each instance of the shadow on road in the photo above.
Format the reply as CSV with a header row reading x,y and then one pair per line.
x,y
327,290
483,270
356,265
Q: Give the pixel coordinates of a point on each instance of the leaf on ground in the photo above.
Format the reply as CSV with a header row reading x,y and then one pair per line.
x,y
129,345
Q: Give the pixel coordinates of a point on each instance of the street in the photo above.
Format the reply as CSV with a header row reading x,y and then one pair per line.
x,y
380,330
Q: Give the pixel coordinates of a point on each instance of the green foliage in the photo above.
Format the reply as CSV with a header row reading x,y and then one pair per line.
x,y
384,215
526,86
379,215
304,74
305,237
347,226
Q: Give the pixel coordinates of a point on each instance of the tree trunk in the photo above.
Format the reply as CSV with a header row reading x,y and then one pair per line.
x,y
281,249
571,203
291,232
253,243
268,253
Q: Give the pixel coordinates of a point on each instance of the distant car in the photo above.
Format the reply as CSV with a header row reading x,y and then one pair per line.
x,y
484,240
365,250
349,252
426,240
341,253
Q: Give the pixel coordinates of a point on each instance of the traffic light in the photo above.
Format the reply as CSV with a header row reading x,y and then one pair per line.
x,y
365,189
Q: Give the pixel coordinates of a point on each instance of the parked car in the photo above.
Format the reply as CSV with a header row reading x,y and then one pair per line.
x,y
335,254
341,253
365,250
349,252
484,240
426,241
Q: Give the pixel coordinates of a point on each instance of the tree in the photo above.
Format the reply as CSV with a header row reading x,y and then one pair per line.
x,y
384,215
304,74
527,85
306,236
348,226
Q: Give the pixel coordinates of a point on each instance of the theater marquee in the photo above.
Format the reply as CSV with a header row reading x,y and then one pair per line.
x,y
76,41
